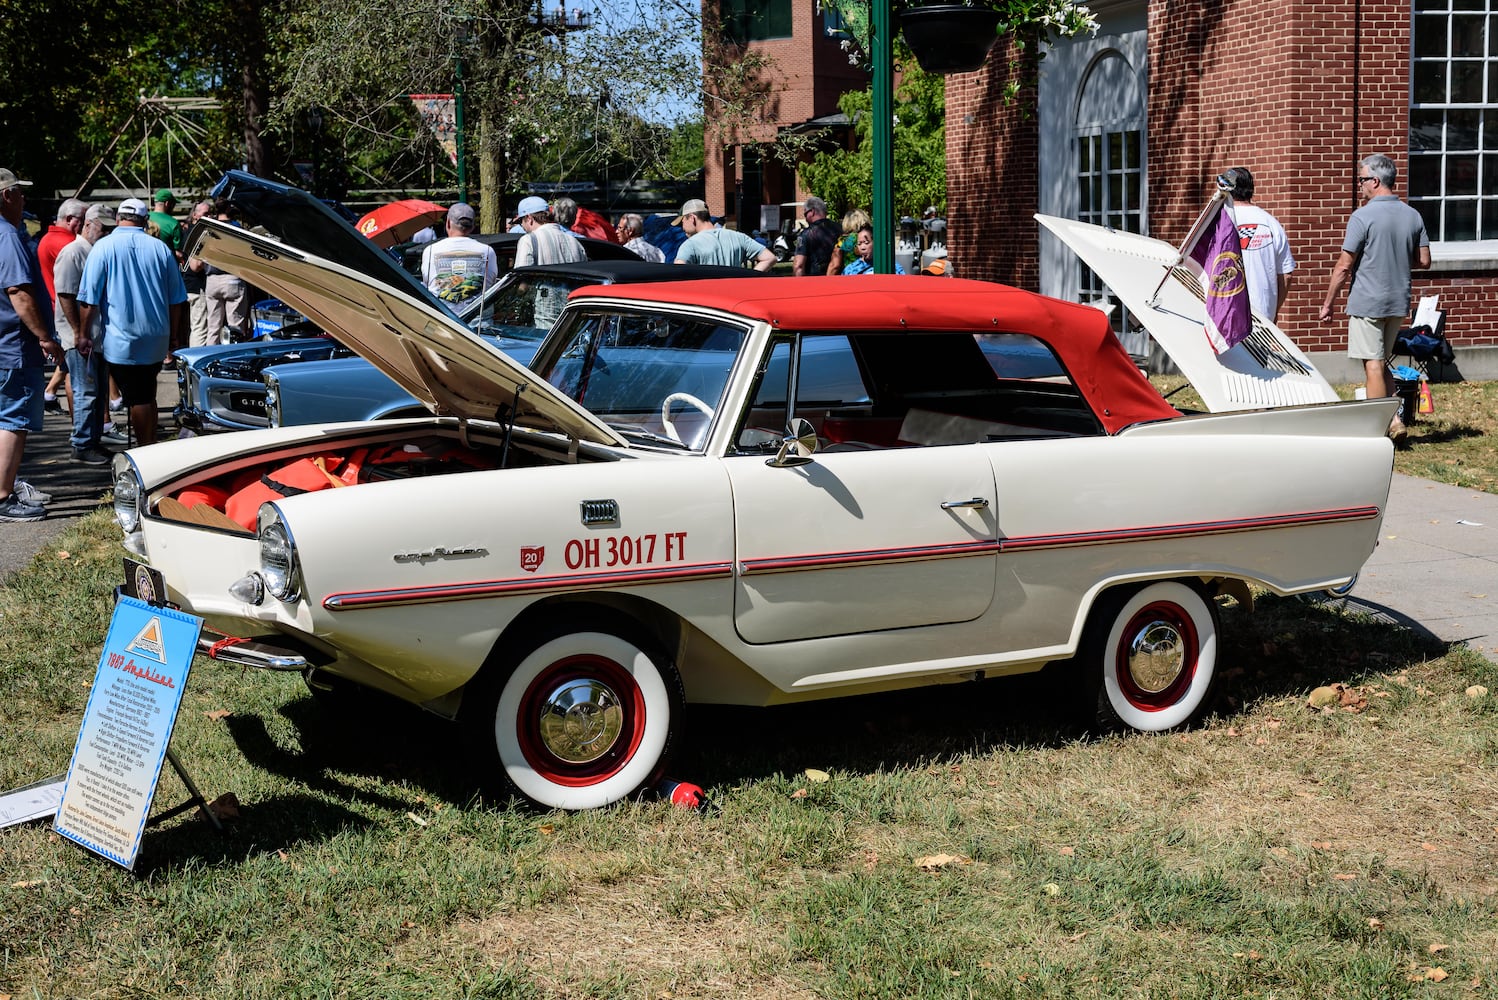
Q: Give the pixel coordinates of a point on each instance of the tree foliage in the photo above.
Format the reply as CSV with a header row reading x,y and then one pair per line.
x,y
846,178
541,102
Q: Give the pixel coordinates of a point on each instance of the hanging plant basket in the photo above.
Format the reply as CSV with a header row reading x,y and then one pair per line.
x,y
950,37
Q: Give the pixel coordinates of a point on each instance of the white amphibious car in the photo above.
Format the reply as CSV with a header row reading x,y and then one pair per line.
x,y
737,491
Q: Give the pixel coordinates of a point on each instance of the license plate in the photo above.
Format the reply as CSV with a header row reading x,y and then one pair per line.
x,y
144,583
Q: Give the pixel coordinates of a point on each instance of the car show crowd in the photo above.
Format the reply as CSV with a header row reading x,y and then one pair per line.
x,y
105,297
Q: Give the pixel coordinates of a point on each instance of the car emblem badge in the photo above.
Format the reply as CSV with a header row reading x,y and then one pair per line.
x,y
531,557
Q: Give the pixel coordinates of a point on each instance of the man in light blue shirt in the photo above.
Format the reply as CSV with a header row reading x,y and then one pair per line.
x,y
133,281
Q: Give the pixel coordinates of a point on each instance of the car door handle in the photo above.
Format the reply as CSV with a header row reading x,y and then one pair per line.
x,y
977,503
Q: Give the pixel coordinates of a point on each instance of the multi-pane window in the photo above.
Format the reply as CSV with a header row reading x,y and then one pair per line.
x,y
1110,178
756,20
1453,173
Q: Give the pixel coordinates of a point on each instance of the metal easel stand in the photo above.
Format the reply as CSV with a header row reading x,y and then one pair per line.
x,y
196,799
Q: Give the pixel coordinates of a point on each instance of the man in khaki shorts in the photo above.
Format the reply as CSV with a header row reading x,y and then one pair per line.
x,y
1385,240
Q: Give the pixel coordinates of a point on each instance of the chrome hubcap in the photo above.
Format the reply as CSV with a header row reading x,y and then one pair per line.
x,y
1156,656
581,721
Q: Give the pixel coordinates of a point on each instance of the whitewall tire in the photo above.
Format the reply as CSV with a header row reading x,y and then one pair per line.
x,y
584,719
1153,656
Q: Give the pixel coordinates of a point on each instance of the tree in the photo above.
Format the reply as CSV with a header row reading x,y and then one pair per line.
x,y
845,178
542,91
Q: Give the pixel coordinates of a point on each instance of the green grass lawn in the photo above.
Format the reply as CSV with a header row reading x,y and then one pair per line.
x,y
951,842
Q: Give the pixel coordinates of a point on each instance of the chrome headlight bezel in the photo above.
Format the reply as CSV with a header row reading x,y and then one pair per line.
x,y
272,399
280,566
128,492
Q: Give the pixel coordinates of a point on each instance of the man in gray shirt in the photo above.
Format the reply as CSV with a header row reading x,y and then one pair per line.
x,y
710,244
1385,240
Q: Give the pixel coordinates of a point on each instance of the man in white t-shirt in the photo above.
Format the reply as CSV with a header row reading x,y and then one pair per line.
x,y
459,267
1266,250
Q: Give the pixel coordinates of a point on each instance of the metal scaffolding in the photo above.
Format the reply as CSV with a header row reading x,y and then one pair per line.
x,y
171,117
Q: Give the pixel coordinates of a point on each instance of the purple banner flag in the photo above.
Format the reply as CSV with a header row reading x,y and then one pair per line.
x,y
1224,284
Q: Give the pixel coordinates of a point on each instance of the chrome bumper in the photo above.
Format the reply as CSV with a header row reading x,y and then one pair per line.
x,y
244,652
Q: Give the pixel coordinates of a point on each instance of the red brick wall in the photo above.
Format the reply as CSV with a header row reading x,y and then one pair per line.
x,y
993,169
1296,91
808,73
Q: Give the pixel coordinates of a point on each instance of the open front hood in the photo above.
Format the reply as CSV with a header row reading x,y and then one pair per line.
x,y
416,342
1264,370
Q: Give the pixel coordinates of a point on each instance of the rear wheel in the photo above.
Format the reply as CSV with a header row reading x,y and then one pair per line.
x,y
583,719
1152,656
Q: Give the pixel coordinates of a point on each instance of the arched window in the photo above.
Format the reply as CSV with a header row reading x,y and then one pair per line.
x,y
1109,133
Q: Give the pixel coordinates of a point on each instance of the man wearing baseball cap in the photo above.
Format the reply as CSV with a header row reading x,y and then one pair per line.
x,y
25,338
167,227
710,244
459,267
544,241
132,279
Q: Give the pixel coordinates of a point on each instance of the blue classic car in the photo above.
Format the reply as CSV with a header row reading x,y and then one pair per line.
x,y
514,315
220,387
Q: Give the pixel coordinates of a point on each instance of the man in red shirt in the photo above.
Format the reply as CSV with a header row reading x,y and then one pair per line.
x,y
58,235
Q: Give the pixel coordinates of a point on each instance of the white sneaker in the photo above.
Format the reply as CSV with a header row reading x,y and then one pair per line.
x,y
31,495
116,404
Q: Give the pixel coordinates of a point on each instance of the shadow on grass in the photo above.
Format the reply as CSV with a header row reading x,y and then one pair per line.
x,y
1431,434
281,823
377,749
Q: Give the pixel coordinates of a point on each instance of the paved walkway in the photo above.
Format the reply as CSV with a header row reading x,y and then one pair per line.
x,y
76,489
1435,569
1436,565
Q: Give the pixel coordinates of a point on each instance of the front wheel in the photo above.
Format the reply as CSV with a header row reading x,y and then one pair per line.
x,y
582,720
1152,656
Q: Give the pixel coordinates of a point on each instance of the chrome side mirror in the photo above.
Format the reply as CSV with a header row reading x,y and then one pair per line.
x,y
797,447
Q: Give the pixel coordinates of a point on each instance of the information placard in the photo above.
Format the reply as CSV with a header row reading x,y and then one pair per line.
x,y
127,728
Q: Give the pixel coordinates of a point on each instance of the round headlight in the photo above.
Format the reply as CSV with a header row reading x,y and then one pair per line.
x,y
278,563
127,494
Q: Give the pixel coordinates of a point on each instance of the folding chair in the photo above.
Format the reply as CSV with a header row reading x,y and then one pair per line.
x,y
1425,342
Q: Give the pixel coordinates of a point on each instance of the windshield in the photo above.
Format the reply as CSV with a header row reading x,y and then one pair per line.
x,y
524,308
658,377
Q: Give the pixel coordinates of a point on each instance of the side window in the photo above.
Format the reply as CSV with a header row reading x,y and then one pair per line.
x,y
827,381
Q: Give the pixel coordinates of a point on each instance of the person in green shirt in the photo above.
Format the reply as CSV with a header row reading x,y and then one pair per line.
x,y
168,228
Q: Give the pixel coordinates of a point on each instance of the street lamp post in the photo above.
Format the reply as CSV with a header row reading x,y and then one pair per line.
x,y
458,145
881,24
314,123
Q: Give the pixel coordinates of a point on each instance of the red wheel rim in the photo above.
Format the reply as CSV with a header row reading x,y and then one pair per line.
x,y
539,702
1150,626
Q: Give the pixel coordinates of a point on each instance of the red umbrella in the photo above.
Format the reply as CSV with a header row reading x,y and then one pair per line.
x,y
400,220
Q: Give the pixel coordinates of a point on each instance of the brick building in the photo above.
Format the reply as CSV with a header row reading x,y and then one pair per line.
x,y
806,72
1131,127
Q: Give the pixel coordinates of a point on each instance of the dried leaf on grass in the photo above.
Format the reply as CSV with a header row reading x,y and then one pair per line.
x,y
1476,691
799,793
816,777
1345,877
217,714
1375,924
936,862
1330,697
416,819
226,806
1436,949
1067,852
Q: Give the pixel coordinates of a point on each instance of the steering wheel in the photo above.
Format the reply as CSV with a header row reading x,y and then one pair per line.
x,y
680,397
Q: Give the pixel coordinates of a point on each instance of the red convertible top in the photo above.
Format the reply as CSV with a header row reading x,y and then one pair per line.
x,y
1080,335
